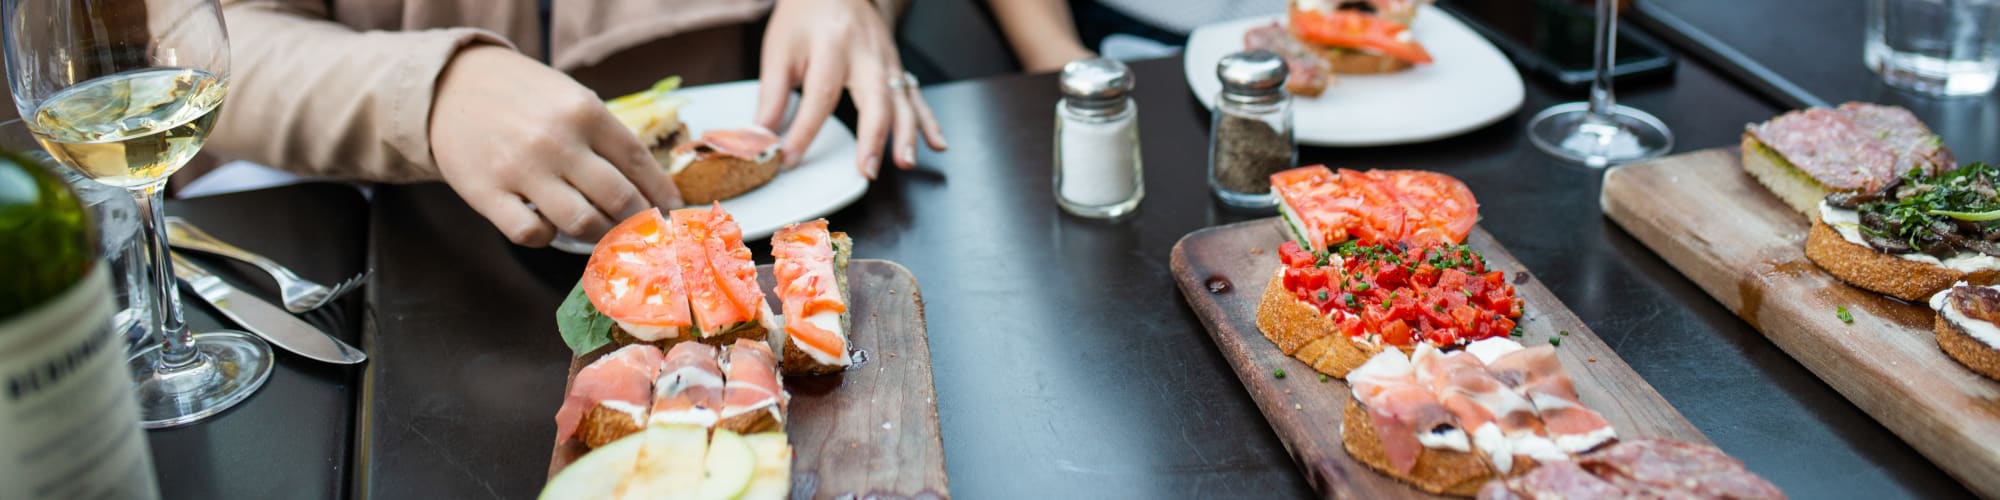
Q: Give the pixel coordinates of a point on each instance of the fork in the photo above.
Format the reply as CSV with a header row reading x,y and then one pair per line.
x,y
300,294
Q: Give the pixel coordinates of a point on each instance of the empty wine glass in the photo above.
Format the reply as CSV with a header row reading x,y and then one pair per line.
x,y
1600,132
126,92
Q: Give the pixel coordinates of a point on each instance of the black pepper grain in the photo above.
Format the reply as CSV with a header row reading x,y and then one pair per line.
x,y
1246,151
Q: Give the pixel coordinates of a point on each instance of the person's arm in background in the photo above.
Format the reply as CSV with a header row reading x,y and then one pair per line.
x,y
316,97
1041,32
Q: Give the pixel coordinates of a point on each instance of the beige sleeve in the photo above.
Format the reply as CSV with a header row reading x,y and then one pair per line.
x,y
318,98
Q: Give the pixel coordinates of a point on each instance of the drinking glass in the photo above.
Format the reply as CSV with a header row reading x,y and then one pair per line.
x,y
125,92
1935,47
1600,132
118,237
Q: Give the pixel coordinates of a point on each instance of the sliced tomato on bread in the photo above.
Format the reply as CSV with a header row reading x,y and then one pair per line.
x,y
632,278
721,278
811,267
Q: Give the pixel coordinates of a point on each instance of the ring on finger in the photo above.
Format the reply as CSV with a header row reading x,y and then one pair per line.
x,y
906,81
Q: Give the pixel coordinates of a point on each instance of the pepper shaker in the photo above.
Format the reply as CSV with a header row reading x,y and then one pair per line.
x,y
1250,136
1097,167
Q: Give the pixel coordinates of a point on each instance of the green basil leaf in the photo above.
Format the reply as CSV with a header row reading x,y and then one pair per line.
x,y
582,327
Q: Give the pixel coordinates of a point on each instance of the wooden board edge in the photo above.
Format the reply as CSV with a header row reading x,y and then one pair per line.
x,y
564,452
1942,441
1635,398
1320,476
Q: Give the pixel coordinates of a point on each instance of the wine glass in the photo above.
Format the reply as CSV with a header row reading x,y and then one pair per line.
x,y
1600,132
126,92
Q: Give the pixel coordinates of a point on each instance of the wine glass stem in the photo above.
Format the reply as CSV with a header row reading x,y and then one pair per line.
x,y
1607,48
176,342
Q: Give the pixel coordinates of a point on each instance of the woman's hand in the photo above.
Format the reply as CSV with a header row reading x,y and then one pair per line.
x,y
508,131
823,46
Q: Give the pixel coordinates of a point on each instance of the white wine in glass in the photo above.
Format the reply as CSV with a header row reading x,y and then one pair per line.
x,y
130,130
1599,132
126,92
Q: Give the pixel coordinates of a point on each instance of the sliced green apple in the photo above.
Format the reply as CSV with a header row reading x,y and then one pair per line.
x,y
597,474
669,465
772,479
730,464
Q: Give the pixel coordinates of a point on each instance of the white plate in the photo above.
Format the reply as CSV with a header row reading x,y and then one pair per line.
x,y
824,182
1468,85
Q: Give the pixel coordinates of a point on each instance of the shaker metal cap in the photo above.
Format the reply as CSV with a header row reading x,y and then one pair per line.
x,y
1096,79
1255,71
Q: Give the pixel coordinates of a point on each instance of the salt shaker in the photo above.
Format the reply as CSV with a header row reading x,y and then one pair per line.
x,y
1250,136
1097,172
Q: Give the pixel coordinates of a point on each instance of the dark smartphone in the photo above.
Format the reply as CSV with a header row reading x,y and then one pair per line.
x,y
1552,39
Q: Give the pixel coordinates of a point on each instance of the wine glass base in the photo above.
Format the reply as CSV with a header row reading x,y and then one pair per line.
x,y
231,366
1570,132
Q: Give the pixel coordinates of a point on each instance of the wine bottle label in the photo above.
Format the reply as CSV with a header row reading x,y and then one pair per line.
x,y
69,427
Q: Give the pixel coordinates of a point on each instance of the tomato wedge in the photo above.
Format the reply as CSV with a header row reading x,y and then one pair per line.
x,y
721,278
1358,30
1441,209
634,279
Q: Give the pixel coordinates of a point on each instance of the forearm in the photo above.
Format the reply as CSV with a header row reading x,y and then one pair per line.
x,y
316,97
1041,32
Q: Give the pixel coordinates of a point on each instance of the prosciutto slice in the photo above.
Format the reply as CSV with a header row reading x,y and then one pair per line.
x,y
1537,374
1405,413
1502,423
690,387
625,376
752,385
750,143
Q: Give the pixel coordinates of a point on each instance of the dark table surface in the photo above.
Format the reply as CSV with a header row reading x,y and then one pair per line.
x,y
1808,53
1066,363
295,437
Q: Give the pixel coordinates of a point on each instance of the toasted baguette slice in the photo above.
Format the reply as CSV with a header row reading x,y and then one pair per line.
x,y
604,425
1981,358
707,175
1439,472
1795,187
1300,331
1883,273
797,361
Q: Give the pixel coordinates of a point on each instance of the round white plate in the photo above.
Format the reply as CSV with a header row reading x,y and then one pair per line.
x,y
1468,85
824,181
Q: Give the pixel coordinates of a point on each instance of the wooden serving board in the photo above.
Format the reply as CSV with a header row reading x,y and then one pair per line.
x,y
1712,221
1222,272
870,431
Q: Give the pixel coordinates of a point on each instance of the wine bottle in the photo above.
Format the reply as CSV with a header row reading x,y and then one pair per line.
x,y
69,423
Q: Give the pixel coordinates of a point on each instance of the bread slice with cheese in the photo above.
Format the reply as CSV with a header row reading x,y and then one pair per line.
x,y
718,165
1438,471
1888,274
1971,337
723,164
811,269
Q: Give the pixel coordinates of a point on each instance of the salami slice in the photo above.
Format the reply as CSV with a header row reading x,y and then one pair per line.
x,y
1678,469
1556,479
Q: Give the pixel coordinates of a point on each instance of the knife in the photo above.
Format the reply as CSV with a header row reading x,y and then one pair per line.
x,y
264,319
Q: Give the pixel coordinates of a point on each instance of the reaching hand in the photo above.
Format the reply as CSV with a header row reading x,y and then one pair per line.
x,y
823,46
508,131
